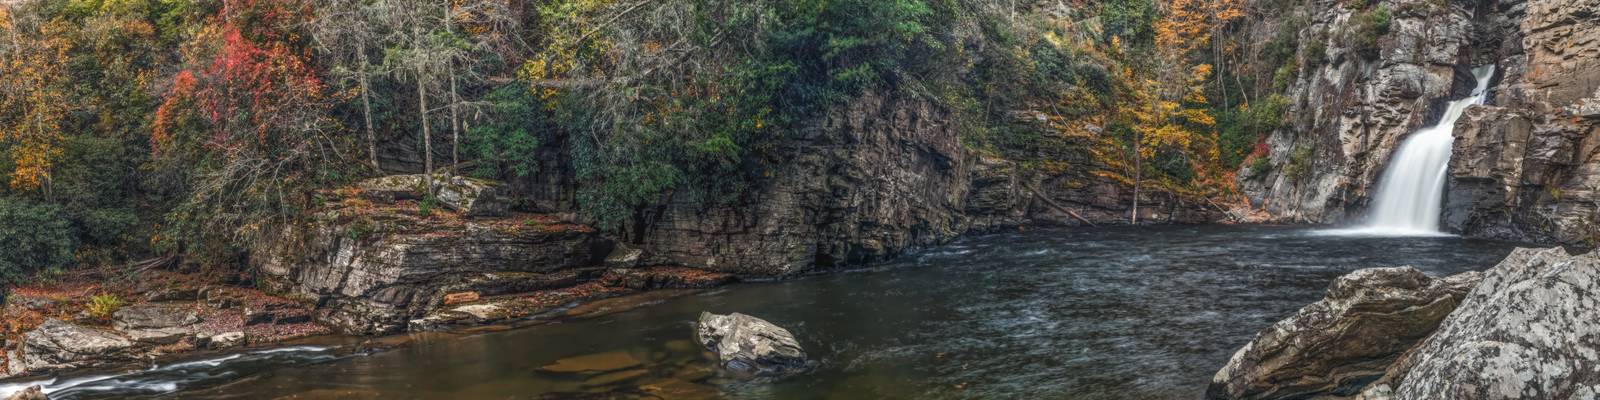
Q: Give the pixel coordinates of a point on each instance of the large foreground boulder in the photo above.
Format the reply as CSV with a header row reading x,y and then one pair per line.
x,y
57,345
750,346
1368,318
1531,330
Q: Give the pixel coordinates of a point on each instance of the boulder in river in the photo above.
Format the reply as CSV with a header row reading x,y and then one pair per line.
x,y
1334,346
750,346
1531,330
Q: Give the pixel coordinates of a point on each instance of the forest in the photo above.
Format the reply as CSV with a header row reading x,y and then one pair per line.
x,y
794,199
147,128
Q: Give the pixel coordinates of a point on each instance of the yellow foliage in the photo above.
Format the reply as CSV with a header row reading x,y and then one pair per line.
x,y
33,99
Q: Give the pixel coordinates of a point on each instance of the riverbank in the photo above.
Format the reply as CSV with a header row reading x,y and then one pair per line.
x,y
1101,313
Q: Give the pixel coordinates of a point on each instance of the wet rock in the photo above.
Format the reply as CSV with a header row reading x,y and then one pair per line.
x,y
1529,331
226,340
57,345
593,363
750,346
679,389
1334,346
31,393
154,316
612,378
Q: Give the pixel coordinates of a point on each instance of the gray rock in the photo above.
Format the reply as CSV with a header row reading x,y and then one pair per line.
x,y
154,316
226,340
57,345
31,393
750,346
377,284
1332,347
1531,330
472,197
159,336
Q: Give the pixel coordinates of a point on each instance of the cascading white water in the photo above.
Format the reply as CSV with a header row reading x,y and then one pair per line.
x,y
1412,189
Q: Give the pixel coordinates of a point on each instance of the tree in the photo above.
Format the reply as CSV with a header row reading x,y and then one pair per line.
x,y
248,119
347,31
33,96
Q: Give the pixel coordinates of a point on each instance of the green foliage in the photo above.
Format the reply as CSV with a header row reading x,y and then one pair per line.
x,y
1240,129
102,306
507,143
1260,166
1299,166
701,132
1365,28
33,237
426,204
1131,20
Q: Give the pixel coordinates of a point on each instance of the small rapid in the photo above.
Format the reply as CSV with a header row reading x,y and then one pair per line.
x,y
160,380
1409,200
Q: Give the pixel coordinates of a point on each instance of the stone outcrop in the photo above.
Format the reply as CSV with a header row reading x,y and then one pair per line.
x,y
468,196
871,180
1526,167
750,346
1531,330
57,345
1368,318
373,267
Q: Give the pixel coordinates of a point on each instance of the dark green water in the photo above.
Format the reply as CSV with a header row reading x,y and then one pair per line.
x,y
1111,313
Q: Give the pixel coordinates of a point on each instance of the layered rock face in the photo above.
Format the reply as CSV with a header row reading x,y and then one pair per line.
x,y
1367,320
1527,329
372,266
1350,114
1526,167
869,181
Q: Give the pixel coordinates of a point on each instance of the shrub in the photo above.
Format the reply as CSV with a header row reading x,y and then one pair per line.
x,y
425,206
507,144
101,306
1299,167
33,237
1365,28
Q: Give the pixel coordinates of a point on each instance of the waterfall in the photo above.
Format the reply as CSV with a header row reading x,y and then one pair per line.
x,y
1412,188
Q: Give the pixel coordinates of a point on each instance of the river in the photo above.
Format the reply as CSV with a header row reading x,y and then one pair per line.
x,y
1104,313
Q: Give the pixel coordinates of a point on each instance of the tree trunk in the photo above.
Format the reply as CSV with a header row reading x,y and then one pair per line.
x,y
427,136
1138,172
366,108
455,122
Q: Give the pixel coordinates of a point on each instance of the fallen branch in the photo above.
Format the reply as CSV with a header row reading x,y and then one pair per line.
x,y
1058,207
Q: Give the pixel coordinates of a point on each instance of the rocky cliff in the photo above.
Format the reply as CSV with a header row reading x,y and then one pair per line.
x,y
1525,168
875,178
1350,111
1522,166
